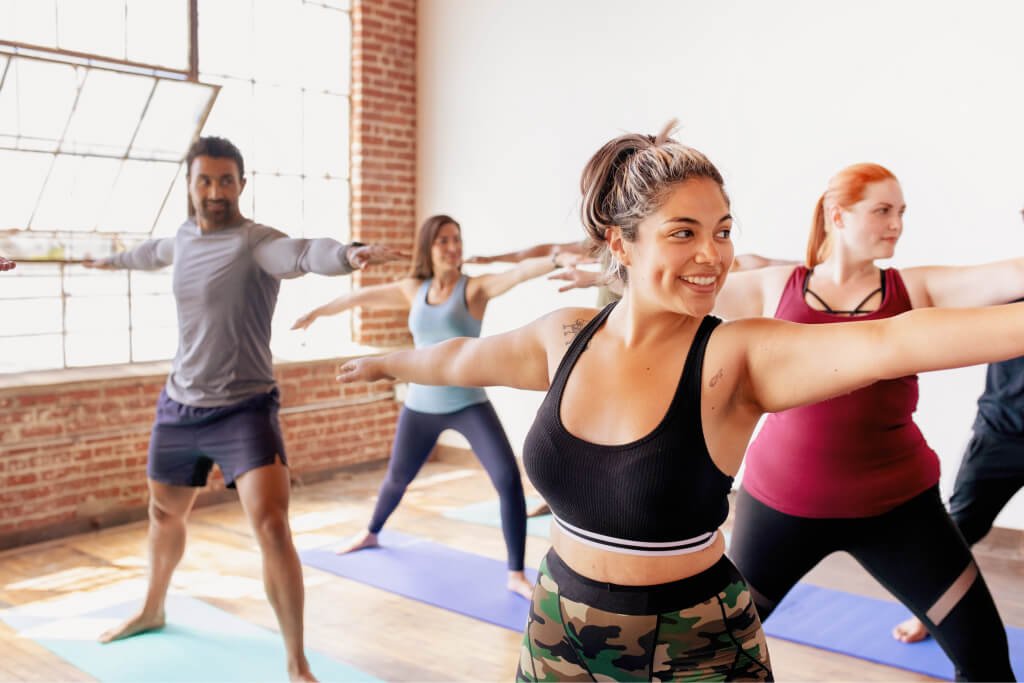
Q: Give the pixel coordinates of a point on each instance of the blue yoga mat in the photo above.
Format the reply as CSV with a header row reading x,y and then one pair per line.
x,y
432,573
487,513
860,627
199,644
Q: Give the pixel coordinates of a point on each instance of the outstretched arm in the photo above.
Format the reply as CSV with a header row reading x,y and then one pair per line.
x,y
150,255
514,359
756,261
496,284
535,251
287,257
962,286
394,295
790,364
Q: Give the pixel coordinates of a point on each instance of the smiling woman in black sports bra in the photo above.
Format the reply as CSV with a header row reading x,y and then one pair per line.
x,y
650,405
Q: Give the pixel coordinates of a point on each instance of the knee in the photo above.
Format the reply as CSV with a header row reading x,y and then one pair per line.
x,y
271,528
162,516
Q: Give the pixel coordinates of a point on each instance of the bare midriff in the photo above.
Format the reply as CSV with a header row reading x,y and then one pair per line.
x,y
632,570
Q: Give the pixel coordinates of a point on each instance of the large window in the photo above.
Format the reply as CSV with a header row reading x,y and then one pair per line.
x,y
97,109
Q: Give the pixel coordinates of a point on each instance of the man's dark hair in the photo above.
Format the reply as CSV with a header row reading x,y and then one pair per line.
x,y
218,148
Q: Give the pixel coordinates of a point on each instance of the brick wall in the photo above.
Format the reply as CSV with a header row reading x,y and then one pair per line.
x,y
383,147
73,453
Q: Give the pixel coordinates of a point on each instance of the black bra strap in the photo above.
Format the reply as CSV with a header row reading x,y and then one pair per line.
x,y
857,309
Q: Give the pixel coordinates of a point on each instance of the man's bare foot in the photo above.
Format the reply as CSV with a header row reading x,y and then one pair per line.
x,y
541,508
299,671
520,585
366,539
910,631
140,623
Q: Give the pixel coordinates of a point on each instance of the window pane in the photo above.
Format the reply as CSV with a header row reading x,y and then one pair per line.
x,y
76,193
28,280
232,116
84,282
30,21
97,348
279,39
326,209
18,354
99,313
278,114
31,316
171,120
158,32
324,338
96,126
157,343
145,282
225,37
21,181
326,49
137,194
325,135
278,202
36,99
96,26
175,209
154,310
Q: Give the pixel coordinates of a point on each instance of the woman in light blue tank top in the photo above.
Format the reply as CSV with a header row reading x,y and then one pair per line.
x,y
443,303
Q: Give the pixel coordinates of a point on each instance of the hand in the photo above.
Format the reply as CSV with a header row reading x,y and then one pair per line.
x,y
6,264
366,369
578,279
372,254
306,320
480,260
568,259
99,264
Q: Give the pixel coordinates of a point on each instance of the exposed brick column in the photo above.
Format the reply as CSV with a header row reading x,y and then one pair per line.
x,y
383,148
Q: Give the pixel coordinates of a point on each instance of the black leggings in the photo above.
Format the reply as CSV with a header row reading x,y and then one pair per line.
x,y
414,439
991,472
914,550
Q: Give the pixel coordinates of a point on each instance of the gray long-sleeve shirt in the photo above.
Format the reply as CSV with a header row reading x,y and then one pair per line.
x,y
225,287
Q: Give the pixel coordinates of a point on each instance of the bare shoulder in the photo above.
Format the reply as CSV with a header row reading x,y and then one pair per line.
x,y
560,327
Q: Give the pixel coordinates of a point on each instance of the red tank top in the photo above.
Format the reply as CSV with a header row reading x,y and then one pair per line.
x,y
856,455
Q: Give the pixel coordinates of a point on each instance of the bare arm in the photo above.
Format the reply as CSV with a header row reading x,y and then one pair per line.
x,y
516,359
963,286
789,365
394,295
150,255
756,261
496,284
535,251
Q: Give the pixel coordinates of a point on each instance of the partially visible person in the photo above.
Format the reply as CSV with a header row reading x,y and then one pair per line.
x,y
220,403
992,468
650,404
854,473
444,303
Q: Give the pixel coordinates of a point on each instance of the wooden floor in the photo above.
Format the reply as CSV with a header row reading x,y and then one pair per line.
x,y
385,635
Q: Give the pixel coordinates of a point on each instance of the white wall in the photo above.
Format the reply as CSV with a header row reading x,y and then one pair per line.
x,y
515,96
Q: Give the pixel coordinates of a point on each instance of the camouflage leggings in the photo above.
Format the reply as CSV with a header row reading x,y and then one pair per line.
x,y
718,638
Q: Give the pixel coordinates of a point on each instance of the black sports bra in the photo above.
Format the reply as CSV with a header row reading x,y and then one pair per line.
x,y
659,495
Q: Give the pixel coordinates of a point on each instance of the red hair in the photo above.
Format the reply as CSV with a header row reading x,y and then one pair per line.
x,y
845,189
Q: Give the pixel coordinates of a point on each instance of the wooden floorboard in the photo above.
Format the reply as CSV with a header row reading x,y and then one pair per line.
x,y
385,635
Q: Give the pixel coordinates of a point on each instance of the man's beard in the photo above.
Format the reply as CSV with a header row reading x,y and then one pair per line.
x,y
216,212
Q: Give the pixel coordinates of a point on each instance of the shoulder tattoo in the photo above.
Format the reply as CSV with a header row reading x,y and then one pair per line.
x,y
569,332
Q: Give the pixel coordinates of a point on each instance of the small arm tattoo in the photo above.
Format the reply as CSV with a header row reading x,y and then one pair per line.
x,y
717,377
570,331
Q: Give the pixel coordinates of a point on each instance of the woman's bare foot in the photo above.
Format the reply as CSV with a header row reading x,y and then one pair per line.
x,y
910,631
541,508
520,585
366,539
140,623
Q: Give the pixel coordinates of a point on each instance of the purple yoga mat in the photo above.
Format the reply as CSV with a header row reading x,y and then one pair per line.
x,y
432,573
859,627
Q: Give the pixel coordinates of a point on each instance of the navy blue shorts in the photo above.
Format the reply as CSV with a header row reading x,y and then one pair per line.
x,y
187,441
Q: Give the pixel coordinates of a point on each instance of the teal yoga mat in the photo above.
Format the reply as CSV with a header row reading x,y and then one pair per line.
x,y
487,513
199,644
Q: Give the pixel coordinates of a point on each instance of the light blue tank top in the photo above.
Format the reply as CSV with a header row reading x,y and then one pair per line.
x,y
431,324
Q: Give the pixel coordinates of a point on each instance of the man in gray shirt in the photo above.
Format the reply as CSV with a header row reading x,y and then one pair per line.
x,y
220,403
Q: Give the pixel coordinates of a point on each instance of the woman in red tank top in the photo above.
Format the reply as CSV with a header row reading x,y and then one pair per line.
x,y
854,473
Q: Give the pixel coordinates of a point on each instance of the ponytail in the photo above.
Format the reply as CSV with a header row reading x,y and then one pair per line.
x,y
818,245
